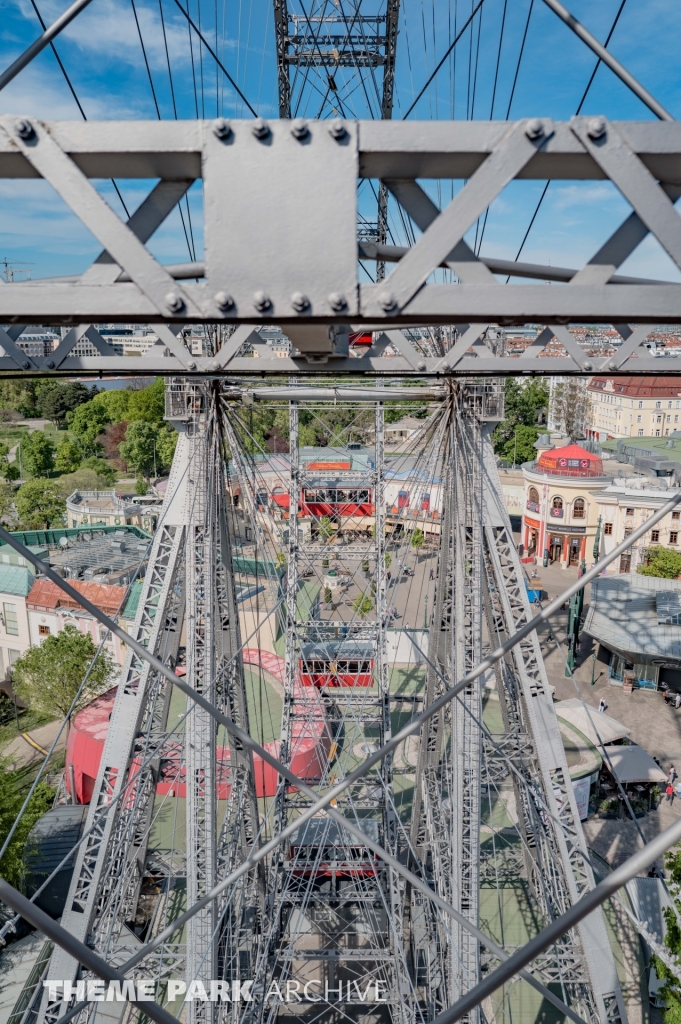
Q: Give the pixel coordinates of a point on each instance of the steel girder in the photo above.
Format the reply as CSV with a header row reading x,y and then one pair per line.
x,y
272,176
560,871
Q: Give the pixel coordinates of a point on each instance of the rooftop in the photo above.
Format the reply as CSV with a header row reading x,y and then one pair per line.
x,y
631,614
638,387
571,460
47,595
16,579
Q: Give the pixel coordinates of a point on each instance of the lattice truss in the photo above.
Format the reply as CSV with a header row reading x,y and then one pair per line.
x,y
389,904
271,171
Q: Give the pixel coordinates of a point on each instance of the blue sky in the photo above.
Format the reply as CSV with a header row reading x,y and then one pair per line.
x,y
102,54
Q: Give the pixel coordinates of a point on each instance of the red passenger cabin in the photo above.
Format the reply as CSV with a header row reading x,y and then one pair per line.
x,y
334,502
346,663
320,849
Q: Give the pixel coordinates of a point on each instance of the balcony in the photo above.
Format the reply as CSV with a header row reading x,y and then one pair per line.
x,y
533,506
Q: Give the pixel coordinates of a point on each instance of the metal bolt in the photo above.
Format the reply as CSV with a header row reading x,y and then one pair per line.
x,y
387,301
25,364
223,301
421,365
24,129
596,127
222,128
587,365
174,302
50,364
300,302
260,128
534,129
337,302
212,367
337,128
191,364
261,301
299,128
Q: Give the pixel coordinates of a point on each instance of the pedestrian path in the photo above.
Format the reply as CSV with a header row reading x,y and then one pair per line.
x,y
28,747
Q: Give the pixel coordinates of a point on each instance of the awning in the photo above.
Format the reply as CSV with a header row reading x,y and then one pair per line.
x,y
608,728
634,764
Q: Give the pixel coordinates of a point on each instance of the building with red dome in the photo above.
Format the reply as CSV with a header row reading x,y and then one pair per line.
x,y
561,505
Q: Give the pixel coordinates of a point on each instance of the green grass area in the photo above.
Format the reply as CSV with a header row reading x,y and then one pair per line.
x,y
264,706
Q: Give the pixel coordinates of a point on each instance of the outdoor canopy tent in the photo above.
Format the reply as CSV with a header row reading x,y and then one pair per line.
x,y
633,764
591,721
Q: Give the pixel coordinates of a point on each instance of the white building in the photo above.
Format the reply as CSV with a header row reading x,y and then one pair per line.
x,y
633,407
623,507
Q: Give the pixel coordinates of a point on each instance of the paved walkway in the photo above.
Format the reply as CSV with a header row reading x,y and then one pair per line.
x,y
25,748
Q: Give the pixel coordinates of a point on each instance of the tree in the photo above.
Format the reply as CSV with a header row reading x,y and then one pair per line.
x,y
54,403
328,596
37,453
69,456
324,528
115,403
362,605
661,562
523,402
40,505
166,443
11,799
49,677
671,991
569,406
520,446
87,423
139,448
7,506
9,470
106,473
148,405
418,538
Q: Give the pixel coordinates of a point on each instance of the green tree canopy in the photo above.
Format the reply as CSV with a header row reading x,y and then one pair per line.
x,y
106,474
139,447
661,562
7,502
40,505
11,799
148,405
115,403
166,443
520,446
87,423
55,402
48,677
37,453
69,456
362,605
523,400
418,538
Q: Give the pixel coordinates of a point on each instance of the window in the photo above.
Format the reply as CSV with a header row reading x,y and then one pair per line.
x,y
654,536
608,529
676,515
43,630
627,531
666,433
669,405
659,420
533,494
557,508
640,433
657,433
669,419
638,419
12,656
640,405
629,512
658,405
673,537
676,419
579,508
11,621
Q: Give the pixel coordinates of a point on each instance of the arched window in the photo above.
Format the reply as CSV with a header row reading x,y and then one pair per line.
x,y
533,494
557,508
579,508
557,503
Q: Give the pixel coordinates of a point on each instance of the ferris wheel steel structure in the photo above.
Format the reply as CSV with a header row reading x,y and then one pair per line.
x,y
414,918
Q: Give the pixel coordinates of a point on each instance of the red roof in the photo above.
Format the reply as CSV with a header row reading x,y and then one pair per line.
x,y
638,387
45,594
572,460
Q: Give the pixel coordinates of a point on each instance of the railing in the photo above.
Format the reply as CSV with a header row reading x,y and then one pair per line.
x,y
557,513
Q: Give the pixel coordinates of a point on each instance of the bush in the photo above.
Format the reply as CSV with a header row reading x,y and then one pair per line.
x,y
11,799
661,562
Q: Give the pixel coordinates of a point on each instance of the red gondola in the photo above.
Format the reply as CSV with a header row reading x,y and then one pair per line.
x,y
337,664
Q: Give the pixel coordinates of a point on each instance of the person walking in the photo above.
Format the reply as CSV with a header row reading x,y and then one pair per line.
x,y
671,774
670,793
602,705
677,701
